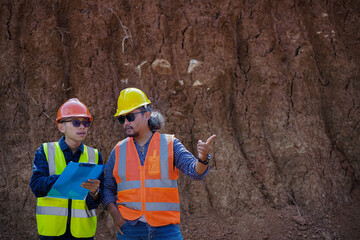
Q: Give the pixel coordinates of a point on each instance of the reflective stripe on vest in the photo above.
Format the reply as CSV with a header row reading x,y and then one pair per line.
x,y
91,154
88,153
51,157
156,206
152,206
161,185
132,205
81,213
52,213
57,211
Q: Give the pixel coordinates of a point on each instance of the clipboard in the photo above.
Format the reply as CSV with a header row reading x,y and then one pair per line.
x,y
68,184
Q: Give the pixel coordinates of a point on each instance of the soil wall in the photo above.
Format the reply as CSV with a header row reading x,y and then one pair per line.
x,y
276,81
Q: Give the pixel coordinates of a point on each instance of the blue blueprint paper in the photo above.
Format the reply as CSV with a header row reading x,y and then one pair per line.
x,y
68,184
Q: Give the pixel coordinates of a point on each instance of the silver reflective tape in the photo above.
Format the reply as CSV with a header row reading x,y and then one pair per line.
x,y
128,185
153,183
51,158
122,160
164,165
81,213
132,205
91,154
162,206
57,211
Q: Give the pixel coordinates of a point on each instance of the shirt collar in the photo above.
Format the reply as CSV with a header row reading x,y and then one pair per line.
x,y
65,147
148,141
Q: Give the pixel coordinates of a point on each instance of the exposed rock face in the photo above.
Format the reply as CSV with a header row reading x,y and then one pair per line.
x,y
277,81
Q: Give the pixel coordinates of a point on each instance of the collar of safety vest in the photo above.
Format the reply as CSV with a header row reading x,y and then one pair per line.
x,y
64,146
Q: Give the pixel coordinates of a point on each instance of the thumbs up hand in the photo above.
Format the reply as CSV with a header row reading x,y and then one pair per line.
x,y
203,148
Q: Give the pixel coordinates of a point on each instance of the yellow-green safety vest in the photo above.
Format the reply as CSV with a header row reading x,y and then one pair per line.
x,y
52,213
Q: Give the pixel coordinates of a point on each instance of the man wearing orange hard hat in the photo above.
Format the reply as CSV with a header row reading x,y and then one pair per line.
x,y
59,218
140,184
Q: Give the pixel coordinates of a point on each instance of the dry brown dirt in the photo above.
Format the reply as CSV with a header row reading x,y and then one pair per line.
x,y
276,81
266,223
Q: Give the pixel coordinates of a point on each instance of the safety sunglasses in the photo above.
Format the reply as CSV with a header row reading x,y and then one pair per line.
x,y
77,123
130,117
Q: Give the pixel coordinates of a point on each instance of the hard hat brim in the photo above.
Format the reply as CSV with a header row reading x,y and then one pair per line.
x,y
122,112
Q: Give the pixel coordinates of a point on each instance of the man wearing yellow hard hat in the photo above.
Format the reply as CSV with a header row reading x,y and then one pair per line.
x,y
140,185
59,218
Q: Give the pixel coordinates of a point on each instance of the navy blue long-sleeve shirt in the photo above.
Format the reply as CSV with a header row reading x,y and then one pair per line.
x,y
41,182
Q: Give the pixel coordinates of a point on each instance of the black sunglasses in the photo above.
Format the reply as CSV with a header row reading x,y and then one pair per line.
x,y
77,123
130,117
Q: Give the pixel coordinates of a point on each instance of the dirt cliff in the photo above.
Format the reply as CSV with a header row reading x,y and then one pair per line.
x,y
276,81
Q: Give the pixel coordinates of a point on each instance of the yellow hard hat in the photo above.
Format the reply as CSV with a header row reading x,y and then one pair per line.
x,y
129,100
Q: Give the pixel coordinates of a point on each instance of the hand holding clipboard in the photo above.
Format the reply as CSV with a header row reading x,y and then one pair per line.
x,y
69,184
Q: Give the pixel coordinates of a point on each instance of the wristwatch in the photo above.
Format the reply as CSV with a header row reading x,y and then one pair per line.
x,y
206,162
96,194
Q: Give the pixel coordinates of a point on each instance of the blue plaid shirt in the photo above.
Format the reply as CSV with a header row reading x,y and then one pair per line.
x,y
183,160
41,182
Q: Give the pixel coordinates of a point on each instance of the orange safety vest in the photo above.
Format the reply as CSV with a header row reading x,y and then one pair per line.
x,y
150,190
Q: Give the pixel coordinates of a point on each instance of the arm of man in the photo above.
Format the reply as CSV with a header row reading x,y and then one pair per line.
x,y
203,149
41,182
110,193
116,215
188,163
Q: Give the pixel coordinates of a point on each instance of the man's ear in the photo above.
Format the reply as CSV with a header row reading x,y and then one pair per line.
x,y
61,127
147,115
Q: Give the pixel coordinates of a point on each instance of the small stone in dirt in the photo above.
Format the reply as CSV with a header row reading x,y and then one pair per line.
x,y
299,220
327,235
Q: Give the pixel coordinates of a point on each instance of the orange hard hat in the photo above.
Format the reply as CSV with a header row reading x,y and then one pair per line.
x,y
73,108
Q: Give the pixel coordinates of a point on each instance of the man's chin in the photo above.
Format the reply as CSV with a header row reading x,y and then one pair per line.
x,y
132,134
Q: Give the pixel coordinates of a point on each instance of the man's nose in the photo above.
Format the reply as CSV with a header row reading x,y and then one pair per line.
x,y
126,122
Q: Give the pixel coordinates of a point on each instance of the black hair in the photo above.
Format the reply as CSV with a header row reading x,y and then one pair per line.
x,y
156,121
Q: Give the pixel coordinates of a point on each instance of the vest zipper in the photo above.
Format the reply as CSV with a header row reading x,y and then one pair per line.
x,y
68,224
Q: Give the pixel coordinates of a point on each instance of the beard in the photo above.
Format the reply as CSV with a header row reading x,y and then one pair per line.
x,y
131,133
